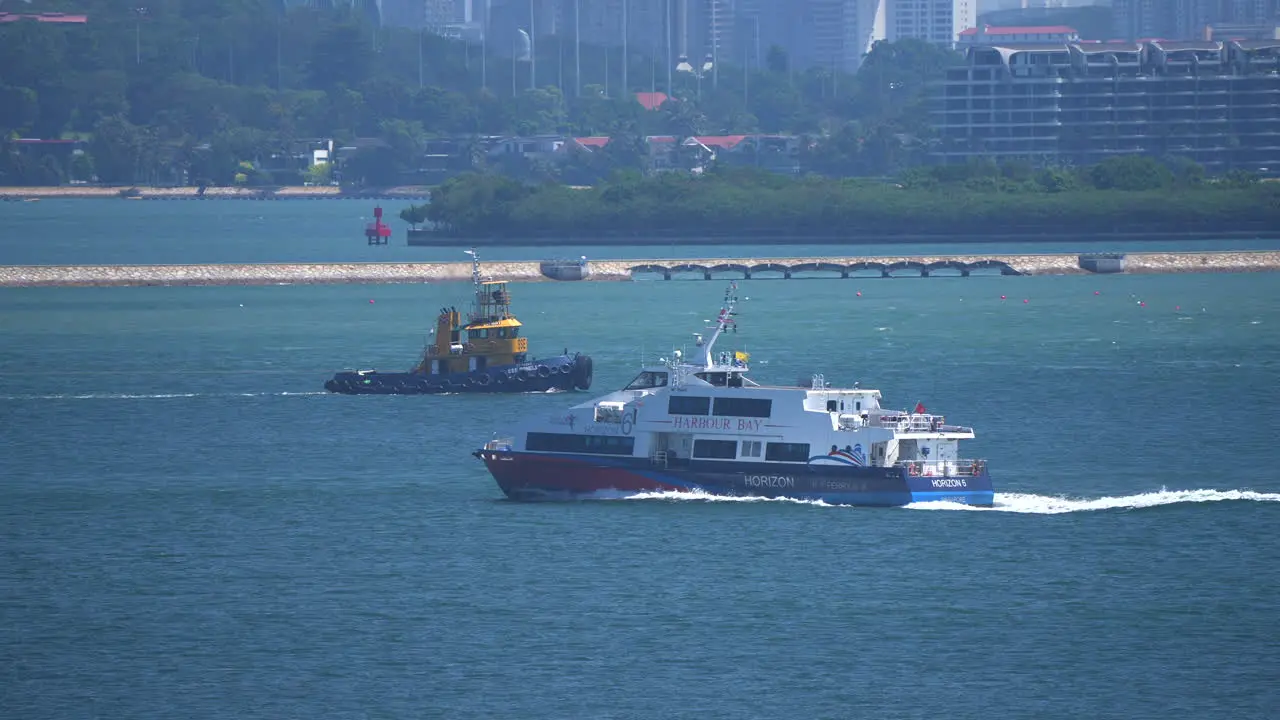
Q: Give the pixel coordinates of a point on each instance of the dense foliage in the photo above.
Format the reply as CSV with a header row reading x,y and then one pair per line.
x,y
193,90
1119,195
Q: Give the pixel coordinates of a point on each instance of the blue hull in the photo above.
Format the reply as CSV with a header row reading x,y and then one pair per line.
x,y
566,372
556,476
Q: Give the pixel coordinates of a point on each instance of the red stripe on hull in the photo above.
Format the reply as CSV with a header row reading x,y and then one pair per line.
x,y
525,476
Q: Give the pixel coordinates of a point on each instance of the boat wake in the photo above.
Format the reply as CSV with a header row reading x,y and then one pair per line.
x,y
1022,503
701,496
1056,505
154,396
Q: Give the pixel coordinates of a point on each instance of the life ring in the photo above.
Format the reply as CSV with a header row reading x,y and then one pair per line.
x,y
913,469
544,371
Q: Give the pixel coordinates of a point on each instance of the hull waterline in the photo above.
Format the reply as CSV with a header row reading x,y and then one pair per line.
x,y
566,372
540,477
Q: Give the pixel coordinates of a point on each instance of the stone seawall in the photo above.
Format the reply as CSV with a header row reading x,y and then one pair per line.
x,y
528,271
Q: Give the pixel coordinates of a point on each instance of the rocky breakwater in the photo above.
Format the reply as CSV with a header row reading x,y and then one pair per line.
x,y
256,274
1247,261
529,271
268,274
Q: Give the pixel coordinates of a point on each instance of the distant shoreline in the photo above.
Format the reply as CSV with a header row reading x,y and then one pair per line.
x,y
133,192
443,241
605,270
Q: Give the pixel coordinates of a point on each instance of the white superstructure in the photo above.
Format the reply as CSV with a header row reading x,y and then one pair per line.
x,y
682,411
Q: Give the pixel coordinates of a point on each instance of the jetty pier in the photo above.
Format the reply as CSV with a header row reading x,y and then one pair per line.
x,y
610,269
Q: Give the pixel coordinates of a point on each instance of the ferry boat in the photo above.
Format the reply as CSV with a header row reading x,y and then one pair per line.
x,y
705,426
485,354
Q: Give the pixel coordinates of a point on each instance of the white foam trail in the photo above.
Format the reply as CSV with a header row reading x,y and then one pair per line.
x,y
1004,502
702,496
1056,505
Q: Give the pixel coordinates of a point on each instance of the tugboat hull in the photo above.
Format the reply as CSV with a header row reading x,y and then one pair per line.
x,y
566,372
538,477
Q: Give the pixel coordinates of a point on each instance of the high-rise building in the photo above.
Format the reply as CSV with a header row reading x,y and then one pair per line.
x,y
935,21
604,22
836,34
1186,19
1212,102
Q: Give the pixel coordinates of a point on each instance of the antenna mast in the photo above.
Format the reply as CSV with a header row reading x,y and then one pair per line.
x,y
477,302
723,320
475,267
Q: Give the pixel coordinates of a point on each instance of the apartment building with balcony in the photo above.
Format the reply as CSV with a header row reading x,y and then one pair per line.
x,y
1217,103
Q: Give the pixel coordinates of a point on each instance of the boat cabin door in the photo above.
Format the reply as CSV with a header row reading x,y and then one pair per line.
x,y
675,445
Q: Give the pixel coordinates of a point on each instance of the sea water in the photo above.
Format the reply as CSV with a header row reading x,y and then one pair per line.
x,y
191,527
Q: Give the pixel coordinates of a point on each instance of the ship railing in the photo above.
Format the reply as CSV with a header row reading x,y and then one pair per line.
x,y
500,445
659,458
912,422
944,468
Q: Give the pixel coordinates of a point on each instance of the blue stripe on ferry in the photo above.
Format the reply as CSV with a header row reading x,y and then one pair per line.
x,y
898,499
968,497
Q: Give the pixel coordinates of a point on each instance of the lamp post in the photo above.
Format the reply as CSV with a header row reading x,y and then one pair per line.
x,y
577,50
533,50
666,60
707,66
625,87
746,98
138,12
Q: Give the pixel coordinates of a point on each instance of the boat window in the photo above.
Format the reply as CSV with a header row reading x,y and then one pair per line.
x,y
502,332
609,412
648,379
515,332
716,378
787,452
477,334
686,405
750,448
735,379
715,449
743,407
590,444
831,406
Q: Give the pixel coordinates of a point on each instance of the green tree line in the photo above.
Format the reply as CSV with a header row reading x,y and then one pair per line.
x,y
168,91
1118,195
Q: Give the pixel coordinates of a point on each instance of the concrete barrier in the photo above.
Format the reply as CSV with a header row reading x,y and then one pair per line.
x,y
529,271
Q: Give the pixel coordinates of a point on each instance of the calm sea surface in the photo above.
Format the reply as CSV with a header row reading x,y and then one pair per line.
x,y
58,232
190,528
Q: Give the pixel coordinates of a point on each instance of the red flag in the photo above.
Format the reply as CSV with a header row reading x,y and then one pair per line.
x,y
920,408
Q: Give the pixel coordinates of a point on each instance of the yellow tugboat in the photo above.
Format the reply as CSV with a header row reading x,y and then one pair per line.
x,y
485,354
